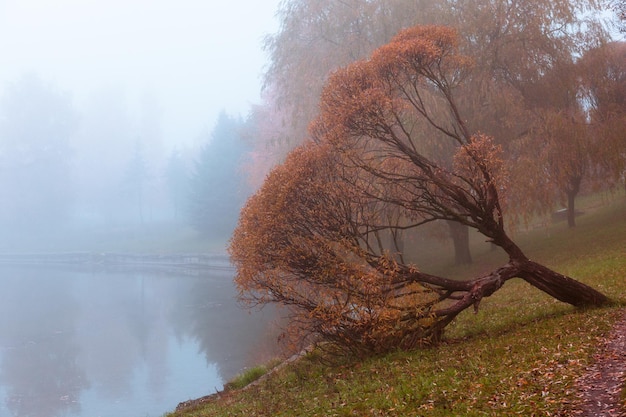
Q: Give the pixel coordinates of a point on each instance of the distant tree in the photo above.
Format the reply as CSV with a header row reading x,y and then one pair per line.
x,y
217,187
36,123
315,38
524,92
135,181
604,87
309,239
104,144
263,132
563,149
577,138
177,180
557,152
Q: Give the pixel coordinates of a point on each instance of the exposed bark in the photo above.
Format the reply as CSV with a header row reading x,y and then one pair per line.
x,y
559,286
461,295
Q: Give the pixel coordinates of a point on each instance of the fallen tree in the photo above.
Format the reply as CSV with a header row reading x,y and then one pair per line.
x,y
322,236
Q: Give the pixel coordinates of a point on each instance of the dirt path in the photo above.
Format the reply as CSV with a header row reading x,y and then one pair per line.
x,y
601,386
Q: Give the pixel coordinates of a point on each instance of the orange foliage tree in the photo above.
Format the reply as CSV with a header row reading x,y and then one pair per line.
x,y
512,42
310,238
557,155
604,85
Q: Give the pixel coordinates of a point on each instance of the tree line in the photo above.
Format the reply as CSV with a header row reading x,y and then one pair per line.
x,y
98,168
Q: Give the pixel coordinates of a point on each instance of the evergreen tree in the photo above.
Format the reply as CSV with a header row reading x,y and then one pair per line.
x,y
217,188
36,123
177,181
135,181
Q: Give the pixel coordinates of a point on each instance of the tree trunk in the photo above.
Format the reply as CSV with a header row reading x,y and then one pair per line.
x,y
460,236
571,210
559,286
572,192
398,245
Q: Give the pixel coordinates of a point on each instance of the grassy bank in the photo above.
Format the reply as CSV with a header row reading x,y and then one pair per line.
x,y
519,355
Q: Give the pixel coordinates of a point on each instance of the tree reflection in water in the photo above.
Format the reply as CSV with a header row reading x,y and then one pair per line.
x,y
85,342
228,335
39,343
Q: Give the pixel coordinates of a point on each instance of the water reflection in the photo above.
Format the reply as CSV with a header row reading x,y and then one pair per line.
x,y
89,343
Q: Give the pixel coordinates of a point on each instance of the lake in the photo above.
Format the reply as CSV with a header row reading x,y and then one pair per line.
x,y
91,343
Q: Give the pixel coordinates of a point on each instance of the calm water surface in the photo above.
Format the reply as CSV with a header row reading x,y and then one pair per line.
x,y
98,344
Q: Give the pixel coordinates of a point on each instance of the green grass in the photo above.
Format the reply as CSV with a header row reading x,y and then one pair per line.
x,y
519,355
247,377
250,375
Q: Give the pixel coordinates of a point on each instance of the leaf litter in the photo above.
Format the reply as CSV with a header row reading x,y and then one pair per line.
x,y
602,384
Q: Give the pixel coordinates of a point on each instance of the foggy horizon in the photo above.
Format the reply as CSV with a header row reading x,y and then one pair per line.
x,y
95,99
192,59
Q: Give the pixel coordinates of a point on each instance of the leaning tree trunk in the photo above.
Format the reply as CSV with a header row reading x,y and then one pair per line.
x,y
560,286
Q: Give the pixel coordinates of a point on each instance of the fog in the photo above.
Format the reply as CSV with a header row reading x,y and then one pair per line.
x,y
195,57
94,93
105,108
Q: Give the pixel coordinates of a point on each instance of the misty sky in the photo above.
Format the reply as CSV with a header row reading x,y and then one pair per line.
x,y
195,57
